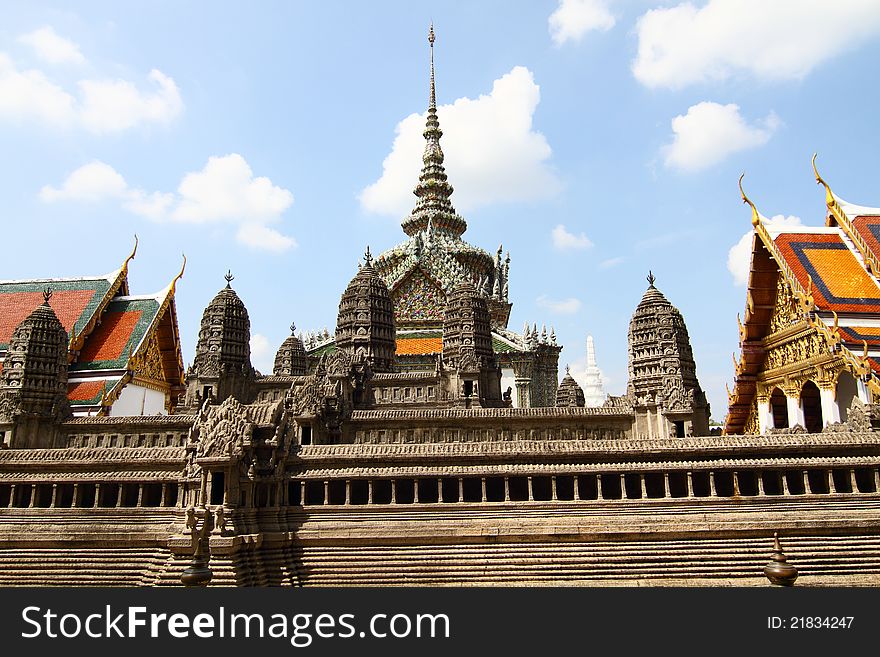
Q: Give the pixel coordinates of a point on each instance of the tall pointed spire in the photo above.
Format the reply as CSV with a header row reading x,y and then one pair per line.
x,y
433,103
433,189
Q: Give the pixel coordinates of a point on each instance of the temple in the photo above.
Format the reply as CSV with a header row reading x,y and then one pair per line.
x,y
810,342
121,351
395,452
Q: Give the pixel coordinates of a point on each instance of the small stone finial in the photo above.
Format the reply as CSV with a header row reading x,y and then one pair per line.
x,y
47,294
368,258
567,371
651,278
229,278
779,571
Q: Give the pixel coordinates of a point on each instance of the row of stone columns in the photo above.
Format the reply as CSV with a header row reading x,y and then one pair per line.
x,y
830,486
76,500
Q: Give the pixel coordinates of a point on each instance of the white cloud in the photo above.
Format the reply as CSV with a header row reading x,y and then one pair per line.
x,y
778,40
574,18
492,152
739,257
709,132
563,240
92,182
562,306
116,105
262,353
611,262
51,47
100,106
259,236
29,95
224,191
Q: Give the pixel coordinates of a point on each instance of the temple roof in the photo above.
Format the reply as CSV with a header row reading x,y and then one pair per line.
x,y
831,274
110,332
77,302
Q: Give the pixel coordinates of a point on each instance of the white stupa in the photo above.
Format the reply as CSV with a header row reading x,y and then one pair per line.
x,y
594,387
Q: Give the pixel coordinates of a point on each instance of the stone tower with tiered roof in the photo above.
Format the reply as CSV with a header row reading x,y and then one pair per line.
x,y
33,382
663,385
222,364
365,324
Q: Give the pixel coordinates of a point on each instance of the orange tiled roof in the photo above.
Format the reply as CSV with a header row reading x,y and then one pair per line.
x,y
840,282
111,337
419,346
868,227
85,390
15,306
857,334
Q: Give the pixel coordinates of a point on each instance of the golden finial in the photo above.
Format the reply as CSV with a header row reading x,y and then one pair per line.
x,y
756,218
829,197
132,254
179,274
836,319
865,352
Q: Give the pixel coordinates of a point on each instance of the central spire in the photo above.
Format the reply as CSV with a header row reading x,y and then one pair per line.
x,y
433,190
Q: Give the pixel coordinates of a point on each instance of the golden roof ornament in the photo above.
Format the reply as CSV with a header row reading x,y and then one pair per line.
x,y
756,217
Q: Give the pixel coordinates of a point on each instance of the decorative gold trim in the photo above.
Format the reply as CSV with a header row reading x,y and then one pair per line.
x,y
119,284
804,297
845,223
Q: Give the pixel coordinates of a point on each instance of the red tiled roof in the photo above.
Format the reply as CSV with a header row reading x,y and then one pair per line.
x,y
84,390
840,282
15,306
110,338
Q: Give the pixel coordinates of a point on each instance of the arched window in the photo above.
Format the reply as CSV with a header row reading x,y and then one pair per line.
x,y
779,409
812,407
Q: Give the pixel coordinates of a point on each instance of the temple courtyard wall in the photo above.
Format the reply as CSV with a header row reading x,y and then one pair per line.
x,y
699,511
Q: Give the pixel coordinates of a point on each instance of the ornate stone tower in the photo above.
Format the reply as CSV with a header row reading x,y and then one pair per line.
x,y
569,392
33,383
422,272
467,347
663,382
290,359
222,364
365,323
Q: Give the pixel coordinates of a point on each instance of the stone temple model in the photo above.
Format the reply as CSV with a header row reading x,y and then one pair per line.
x,y
393,452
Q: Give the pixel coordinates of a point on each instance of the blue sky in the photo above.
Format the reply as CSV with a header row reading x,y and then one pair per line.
x,y
595,139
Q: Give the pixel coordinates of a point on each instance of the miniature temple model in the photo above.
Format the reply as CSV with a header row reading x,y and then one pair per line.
x,y
422,442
